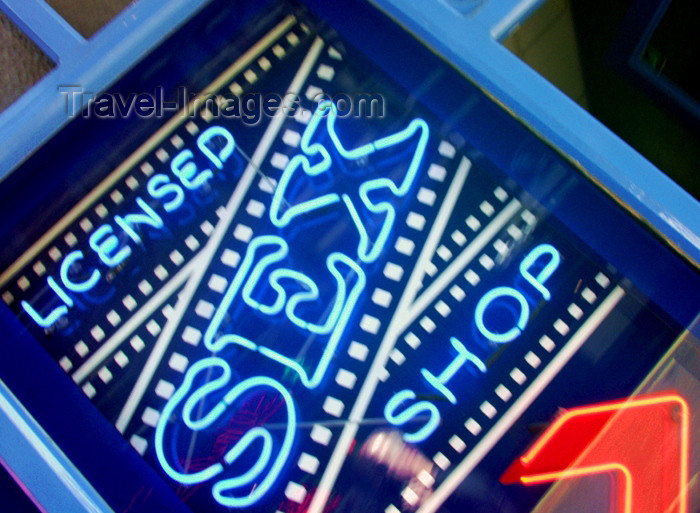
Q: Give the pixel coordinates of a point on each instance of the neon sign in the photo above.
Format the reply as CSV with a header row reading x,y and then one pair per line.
x,y
107,241
367,250
335,277
187,403
266,283
463,356
262,267
544,258
597,439
248,278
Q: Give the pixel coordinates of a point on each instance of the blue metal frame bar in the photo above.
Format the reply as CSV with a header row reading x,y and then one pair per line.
x,y
91,64
470,45
52,481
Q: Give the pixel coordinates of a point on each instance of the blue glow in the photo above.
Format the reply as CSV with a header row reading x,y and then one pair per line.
x,y
259,269
186,170
206,419
150,218
160,186
71,285
551,266
248,277
322,166
223,488
213,342
239,340
343,307
410,413
310,294
205,366
106,245
463,356
234,453
367,251
59,291
49,320
224,153
484,303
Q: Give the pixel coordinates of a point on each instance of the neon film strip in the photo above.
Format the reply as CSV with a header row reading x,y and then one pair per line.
x,y
324,415
163,260
492,379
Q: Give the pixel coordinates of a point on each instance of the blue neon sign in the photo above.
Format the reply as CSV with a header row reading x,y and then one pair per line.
x,y
463,356
283,209
342,270
108,241
246,487
268,283
264,266
400,413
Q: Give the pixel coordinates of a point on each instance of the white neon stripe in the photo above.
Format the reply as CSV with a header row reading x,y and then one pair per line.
x,y
134,322
438,229
392,334
215,240
463,469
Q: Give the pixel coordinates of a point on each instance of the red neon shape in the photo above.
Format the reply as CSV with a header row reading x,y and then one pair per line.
x,y
643,442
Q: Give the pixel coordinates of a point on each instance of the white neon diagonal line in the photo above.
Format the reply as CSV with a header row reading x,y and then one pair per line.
x,y
140,316
480,450
215,240
142,151
446,277
437,230
393,332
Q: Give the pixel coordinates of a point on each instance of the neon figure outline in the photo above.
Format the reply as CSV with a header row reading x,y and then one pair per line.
x,y
367,251
248,278
349,284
